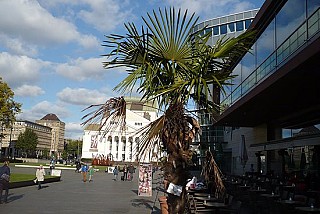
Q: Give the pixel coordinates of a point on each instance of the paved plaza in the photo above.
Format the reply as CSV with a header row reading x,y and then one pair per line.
x,y
71,195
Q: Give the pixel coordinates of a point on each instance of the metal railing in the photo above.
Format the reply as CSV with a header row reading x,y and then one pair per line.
x,y
298,38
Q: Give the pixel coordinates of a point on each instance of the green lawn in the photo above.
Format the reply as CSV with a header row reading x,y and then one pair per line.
x,y
14,177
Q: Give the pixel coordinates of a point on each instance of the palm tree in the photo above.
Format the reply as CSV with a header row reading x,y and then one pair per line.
x,y
169,65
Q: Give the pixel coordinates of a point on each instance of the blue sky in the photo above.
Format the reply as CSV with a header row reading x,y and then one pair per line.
x,y
50,50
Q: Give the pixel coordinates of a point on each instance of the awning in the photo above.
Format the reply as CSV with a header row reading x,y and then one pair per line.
x,y
299,141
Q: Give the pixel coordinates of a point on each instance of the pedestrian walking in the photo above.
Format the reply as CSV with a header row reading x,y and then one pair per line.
x,y
40,173
131,171
90,172
115,173
4,181
84,171
125,172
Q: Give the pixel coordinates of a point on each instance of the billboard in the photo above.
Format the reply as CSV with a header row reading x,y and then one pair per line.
x,y
145,179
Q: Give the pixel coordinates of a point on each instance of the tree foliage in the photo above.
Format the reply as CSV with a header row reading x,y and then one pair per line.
x,y
8,107
27,142
72,147
169,64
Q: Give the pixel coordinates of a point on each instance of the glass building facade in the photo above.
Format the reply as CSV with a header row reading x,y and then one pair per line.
x,y
295,24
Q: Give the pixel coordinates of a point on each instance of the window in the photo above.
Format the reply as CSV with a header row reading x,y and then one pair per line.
x,y
215,30
247,23
230,27
223,29
239,26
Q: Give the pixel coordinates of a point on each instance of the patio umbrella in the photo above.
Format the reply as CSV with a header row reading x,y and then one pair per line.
x,y
243,152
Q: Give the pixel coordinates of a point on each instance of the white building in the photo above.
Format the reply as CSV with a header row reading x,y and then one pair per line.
x,y
122,146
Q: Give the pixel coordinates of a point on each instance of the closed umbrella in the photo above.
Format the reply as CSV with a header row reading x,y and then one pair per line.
x,y
303,161
243,152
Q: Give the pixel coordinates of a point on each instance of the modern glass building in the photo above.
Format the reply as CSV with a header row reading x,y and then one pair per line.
x,y
275,100
220,28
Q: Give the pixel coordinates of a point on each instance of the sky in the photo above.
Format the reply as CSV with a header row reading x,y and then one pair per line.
x,y
51,50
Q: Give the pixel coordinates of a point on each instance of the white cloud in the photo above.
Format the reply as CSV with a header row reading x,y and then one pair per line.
x,y
81,96
17,46
82,69
105,15
28,91
73,131
19,70
32,24
41,109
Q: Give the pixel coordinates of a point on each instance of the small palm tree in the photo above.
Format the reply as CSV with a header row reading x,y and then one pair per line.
x,y
169,65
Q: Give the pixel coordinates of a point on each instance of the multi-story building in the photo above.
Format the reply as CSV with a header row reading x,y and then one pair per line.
x,y
276,96
122,145
223,27
11,136
58,130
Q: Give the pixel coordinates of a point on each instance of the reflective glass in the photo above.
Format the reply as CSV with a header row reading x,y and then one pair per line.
x,y
230,27
266,43
247,23
239,26
312,5
223,29
289,18
215,30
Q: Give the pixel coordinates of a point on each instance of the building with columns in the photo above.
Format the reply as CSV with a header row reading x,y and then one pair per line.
x,y
122,145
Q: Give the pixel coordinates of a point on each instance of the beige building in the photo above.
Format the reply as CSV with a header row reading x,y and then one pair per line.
x,y
58,130
11,136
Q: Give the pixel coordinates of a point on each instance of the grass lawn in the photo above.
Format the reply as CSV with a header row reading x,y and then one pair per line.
x,y
14,177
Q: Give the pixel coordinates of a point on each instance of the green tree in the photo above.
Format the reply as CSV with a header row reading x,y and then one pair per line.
x,y
27,142
73,147
8,107
169,65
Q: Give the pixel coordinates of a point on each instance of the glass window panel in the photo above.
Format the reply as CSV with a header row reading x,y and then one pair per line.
x,y
247,14
223,20
312,5
231,18
230,27
215,30
239,16
247,23
208,30
223,29
288,19
215,22
266,43
239,26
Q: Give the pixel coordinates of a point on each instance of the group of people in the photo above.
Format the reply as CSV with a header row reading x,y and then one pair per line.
x,y
127,172
86,170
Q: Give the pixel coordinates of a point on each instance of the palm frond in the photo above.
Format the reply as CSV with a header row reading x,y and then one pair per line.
x,y
109,116
211,172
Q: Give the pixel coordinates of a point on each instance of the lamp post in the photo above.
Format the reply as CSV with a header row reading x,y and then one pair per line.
x,y
78,149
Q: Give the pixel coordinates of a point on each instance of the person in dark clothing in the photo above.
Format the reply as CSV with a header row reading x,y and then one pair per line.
x,y
125,172
131,171
4,181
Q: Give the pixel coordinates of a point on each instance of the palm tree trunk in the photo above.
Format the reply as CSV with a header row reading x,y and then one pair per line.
x,y
176,138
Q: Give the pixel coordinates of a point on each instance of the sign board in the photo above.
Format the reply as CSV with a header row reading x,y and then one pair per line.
x,y
145,179
55,172
110,169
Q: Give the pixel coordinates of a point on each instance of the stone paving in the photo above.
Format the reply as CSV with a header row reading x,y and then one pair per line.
x,y
72,195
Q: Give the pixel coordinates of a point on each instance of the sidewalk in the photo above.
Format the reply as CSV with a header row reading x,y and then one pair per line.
x,y
71,195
